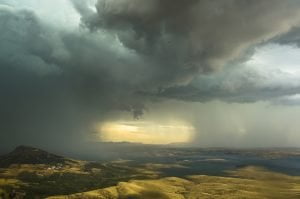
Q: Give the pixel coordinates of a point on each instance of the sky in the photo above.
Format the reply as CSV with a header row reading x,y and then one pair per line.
x,y
206,73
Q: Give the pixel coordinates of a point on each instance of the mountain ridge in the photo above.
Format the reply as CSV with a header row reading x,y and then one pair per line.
x,y
30,155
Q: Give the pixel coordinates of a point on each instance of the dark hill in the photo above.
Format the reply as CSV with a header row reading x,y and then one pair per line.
x,y
30,155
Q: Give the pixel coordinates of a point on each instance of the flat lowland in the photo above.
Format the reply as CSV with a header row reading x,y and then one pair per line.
x,y
245,183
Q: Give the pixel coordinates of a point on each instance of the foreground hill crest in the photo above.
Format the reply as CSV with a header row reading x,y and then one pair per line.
x,y
248,183
30,155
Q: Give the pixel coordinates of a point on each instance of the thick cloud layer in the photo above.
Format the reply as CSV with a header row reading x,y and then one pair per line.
x,y
57,81
55,84
243,84
181,38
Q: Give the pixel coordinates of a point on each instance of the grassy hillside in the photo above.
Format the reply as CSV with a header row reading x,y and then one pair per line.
x,y
42,180
34,173
246,183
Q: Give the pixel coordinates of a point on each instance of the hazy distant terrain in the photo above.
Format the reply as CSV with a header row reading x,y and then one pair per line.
x,y
161,172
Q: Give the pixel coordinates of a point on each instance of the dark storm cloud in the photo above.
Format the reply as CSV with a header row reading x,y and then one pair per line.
x,y
56,83
241,84
293,100
181,38
290,38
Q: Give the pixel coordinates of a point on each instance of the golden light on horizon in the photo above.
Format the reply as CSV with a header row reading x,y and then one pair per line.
x,y
145,132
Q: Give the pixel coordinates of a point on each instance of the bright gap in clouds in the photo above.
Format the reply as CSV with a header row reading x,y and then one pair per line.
x,y
285,58
54,12
283,61
145,132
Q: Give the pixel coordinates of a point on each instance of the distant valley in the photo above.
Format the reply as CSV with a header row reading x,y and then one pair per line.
x,y
157,172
